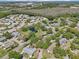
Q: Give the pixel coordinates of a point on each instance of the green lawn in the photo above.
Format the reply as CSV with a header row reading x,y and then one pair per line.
x,y
2,52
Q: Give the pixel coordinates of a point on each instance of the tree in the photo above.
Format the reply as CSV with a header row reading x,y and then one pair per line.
x,y
56,29
41,44
76,41
33,38
59,52
57,34
61,31
73,46
74,31
7,35
45,21
73,24
38,26
68,35
32,28
24,29
63,22
14,54
49,31
74,56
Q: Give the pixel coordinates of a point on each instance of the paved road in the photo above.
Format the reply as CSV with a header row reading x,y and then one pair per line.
x,y
40,54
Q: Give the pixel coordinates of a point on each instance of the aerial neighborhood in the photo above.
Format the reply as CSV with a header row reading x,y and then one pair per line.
x,y
39,30
23,36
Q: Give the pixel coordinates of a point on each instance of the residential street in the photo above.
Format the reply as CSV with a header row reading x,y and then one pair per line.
x,y
40,54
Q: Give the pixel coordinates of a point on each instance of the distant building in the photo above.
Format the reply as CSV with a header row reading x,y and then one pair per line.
x,y
2,39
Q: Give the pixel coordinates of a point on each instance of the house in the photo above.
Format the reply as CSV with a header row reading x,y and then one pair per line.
x,y
68,22
8,44
75,51
12,30
1,33
7,23
78,25
2,28
63,41
66,57
15,34
2,39
55,24
1,43
29,51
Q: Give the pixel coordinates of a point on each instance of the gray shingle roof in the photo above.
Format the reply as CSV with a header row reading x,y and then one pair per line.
x,y
29,51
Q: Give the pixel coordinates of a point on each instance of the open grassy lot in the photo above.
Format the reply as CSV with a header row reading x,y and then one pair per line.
x,y
49,11
3,14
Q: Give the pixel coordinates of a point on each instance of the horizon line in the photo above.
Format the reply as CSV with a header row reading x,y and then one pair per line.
x,y
31,1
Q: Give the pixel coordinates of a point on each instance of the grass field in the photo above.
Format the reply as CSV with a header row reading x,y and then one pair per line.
x,y
49,11
46,12
4,13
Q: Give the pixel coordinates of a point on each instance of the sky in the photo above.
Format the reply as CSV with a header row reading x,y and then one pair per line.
x,y
39,0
